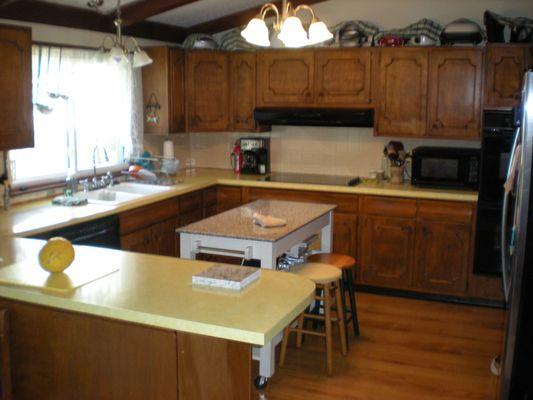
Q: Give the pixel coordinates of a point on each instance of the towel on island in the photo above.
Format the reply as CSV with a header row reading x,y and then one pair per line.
x,y
267,221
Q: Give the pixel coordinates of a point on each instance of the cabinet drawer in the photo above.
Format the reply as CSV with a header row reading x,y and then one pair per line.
x,y
389,206
445,211
145,216
210,197
190,202
346,203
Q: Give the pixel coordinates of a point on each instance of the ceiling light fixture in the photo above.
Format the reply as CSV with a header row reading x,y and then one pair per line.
x,y
289,26
119,51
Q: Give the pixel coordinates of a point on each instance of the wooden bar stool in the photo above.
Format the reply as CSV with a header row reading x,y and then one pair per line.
x,y
347,265
327,280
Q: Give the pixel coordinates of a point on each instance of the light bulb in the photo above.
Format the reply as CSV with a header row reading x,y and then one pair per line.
x,y
292,33
319,32
256,32
141,58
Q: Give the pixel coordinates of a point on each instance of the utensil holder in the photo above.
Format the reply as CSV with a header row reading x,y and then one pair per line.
x,y
396,174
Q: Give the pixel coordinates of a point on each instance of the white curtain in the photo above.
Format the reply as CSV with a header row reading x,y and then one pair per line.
x,y
82,99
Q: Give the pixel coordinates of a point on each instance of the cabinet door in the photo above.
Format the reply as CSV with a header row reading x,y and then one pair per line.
x,y
164,238
228,198
139,241
156,91
243,91
442,257
16,109
285,78
387,251
454,101
345,234
504,73
402,98
208,97
343,77
177,90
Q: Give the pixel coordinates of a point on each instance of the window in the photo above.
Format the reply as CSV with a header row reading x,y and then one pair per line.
x,y
83,104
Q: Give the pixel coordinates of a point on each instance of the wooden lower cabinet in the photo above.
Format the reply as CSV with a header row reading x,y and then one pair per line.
x,y
138,241
442,257
345,234
158,239
164,238
85,357
387,245
228,198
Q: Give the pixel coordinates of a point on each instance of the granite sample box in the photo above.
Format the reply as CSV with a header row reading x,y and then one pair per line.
x,y
227,276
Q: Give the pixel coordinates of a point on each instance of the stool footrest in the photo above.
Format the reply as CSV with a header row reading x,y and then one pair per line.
x,y
308,332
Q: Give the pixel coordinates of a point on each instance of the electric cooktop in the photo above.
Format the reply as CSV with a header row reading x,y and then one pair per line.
x,y
334,180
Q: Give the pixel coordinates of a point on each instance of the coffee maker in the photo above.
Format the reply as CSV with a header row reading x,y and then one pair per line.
x,y
255,155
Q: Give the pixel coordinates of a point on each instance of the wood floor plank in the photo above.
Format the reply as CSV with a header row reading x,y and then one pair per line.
x,y
408,350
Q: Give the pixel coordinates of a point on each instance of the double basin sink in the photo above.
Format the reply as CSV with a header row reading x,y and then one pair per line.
x,y
122,193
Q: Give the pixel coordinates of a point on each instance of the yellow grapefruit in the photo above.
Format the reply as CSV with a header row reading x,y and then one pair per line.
x,y
56,255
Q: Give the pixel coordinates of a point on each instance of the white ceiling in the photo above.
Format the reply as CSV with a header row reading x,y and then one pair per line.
x,y
186,16
204,10
108,5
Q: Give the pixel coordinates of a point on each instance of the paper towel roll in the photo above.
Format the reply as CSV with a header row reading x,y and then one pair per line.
x,y
168,149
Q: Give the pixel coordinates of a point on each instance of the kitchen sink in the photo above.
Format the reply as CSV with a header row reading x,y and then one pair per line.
x,y
142,189
122,193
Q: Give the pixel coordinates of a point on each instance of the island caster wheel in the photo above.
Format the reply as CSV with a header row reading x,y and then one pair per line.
x,y
260,382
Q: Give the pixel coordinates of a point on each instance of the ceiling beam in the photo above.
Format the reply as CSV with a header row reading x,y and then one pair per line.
x,y
80,18
4,3
141,10
238,19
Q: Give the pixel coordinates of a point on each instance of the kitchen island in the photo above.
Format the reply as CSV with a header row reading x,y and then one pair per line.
x,y
234,233
141,332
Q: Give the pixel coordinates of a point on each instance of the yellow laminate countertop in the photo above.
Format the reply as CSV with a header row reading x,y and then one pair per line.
x,y
157,291
35,217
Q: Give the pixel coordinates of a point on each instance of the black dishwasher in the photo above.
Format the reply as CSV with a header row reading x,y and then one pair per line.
x,y
102,232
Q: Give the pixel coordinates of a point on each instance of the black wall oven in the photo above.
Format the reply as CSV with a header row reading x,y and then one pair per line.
x,y
445,167
499,129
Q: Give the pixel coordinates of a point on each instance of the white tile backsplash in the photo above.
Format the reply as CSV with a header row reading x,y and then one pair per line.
x,y
320,150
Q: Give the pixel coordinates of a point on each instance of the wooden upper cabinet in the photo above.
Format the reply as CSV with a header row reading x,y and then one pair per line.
x,y
343,77
177,90
454,100
164,85
208,105
504,73
402,79
285,78
16,109
243,76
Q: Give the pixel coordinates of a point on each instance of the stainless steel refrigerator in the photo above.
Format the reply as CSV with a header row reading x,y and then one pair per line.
x,y
517,258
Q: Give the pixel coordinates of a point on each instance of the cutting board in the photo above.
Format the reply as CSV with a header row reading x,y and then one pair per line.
x,y
31,275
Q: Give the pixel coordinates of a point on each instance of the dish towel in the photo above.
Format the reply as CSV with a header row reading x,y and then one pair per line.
x,y
268,221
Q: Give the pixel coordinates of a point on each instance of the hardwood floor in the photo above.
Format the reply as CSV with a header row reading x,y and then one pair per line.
x,y
408,350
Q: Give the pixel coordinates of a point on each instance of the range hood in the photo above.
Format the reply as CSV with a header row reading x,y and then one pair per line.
x,y
314,117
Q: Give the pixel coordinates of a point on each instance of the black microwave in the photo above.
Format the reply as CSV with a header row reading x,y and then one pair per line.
x,y
445,167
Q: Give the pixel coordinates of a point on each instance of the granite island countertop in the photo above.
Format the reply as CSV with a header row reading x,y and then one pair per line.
x,y
238,222
27,219
157,291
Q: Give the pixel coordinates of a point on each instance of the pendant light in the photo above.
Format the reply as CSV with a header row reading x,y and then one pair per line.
x,y
289,26
119,51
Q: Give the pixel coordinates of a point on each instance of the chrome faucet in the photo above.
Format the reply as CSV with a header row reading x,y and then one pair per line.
x,y
95,180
